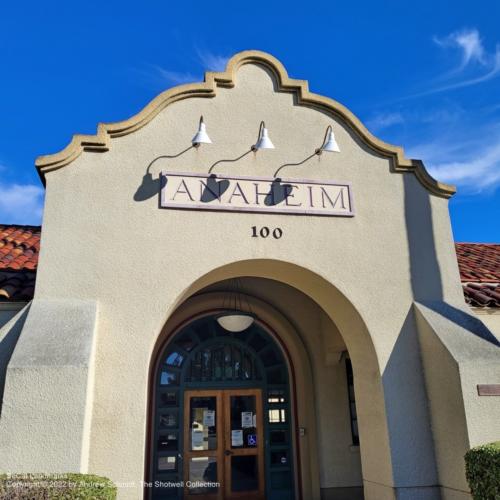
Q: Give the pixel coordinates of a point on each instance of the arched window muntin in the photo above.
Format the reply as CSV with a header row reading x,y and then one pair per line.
x,y
269,372
217,363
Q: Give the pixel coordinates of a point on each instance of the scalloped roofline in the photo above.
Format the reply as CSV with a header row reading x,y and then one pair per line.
x,y
101,141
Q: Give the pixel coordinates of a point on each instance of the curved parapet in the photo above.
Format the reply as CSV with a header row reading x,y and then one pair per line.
x,y
101,141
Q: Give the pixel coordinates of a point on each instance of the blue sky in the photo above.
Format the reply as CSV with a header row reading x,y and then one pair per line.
x,y
424,75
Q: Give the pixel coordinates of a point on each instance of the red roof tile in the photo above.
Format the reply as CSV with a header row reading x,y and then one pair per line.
x,y
479,265
479,262
18,246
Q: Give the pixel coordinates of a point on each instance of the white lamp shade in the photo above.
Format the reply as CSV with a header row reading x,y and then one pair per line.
x,y
201,136
264,142
331,144
235,322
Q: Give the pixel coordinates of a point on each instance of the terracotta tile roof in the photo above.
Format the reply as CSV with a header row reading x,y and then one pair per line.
x,y
479,265
19,247
479,262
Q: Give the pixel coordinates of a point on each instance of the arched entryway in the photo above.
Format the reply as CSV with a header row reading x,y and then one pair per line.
x,y
299,308
222,414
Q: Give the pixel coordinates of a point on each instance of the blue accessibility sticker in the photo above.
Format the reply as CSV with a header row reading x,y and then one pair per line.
x,y
252,440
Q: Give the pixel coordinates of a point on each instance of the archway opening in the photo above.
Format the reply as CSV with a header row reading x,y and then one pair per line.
x,y
325,452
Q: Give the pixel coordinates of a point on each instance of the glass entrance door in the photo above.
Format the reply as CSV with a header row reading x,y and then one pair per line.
x,y
244,450
223,448
203,445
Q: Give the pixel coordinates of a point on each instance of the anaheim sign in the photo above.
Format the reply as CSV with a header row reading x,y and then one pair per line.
x,y
255,194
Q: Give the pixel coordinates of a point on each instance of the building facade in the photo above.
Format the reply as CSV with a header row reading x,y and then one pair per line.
x,y
273,310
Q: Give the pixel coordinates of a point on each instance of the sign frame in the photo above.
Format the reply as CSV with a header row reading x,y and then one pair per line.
x,y
165,204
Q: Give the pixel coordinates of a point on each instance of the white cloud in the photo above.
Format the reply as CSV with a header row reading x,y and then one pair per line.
x,y
21,203
477,64
173,77
470,44
211,61
159,76
473,164
474,174
494,70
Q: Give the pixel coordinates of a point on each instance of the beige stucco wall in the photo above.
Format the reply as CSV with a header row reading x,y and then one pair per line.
x,y
457,355
139,262
48,391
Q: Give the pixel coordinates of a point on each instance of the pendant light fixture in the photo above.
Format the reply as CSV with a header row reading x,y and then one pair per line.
x,y
329,143
237,315
201,136
235,322
263,141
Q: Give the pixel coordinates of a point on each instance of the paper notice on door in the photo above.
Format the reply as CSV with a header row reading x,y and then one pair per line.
x,y
209,418
254,420
166,463
237,438
196,438
246,419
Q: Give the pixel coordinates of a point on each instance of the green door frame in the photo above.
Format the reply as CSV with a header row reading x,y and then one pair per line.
x,y
181,368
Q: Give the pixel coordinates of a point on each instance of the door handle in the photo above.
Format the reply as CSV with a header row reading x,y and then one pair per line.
x,y
228,452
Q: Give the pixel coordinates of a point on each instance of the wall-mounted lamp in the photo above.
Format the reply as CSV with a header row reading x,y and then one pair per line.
x,y
263,141
201,137
329,143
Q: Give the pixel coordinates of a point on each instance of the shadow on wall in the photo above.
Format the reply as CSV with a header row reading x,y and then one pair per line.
x,y
278,193
213,187
425,273
8,344
150,187
408,413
